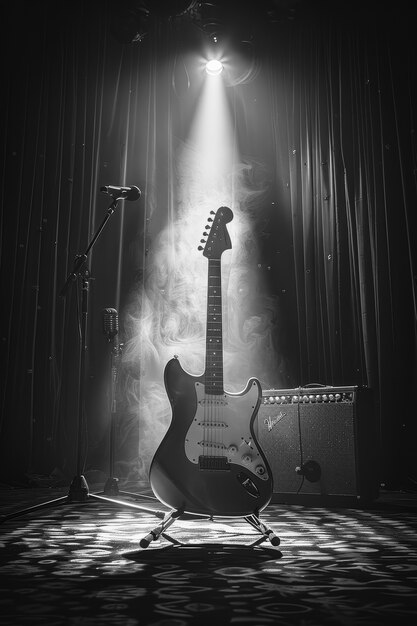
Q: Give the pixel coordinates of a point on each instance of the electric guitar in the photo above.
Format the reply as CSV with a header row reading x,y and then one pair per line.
x,y
209,461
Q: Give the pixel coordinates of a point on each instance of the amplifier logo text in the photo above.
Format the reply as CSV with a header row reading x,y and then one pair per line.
x,y
271,421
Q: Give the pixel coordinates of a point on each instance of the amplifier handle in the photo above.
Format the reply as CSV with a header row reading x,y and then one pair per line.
x,y
314,385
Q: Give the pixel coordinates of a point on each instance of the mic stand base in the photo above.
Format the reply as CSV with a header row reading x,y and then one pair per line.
x,y
79,492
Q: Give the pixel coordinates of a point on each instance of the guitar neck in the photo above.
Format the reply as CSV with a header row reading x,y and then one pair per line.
x,y
214,334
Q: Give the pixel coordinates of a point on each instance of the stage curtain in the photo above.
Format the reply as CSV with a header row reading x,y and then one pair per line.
x,y
325,125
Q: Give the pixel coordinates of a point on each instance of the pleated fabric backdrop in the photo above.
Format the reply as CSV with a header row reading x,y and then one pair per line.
x,y
324,110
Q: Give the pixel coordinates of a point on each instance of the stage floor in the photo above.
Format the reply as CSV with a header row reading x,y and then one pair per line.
x,y
81,564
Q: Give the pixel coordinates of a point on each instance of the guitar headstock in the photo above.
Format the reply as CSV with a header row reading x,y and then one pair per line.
x,y
218,238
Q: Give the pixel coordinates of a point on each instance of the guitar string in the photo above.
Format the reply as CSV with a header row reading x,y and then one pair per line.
x,y
213,414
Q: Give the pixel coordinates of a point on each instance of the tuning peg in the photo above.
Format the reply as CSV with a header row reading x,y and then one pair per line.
x,y
202,240
209,219
200,248
212,213
207,226
205,234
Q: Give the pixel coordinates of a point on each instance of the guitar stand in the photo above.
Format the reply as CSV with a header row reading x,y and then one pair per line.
x,y
266,532
253,519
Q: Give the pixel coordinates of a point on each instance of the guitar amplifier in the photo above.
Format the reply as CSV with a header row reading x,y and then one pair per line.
x,y
321,444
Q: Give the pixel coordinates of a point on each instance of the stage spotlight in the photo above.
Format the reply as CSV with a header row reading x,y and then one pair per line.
x,y
214,67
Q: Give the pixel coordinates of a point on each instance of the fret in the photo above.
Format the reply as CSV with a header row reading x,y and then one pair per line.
x,y
214,330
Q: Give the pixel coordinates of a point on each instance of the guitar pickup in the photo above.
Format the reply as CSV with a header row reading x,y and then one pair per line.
x,y
213,463
212,445
211,402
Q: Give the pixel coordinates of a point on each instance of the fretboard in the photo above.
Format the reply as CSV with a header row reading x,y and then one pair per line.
x,y
214,335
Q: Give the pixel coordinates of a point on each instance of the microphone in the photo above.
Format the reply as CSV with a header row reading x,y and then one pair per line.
x,y
122,193
110,323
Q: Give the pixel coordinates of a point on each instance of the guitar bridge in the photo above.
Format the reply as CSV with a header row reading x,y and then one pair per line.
x,y
214,463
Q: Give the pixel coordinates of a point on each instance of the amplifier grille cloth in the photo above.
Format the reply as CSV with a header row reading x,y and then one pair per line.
x,y
327,437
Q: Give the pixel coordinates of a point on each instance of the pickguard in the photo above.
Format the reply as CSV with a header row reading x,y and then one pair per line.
x,y
220,428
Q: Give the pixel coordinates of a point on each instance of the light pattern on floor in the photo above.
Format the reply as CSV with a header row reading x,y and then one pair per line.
x,y
82,564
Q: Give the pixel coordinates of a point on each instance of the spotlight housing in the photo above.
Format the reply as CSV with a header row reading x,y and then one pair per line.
x,y
214,67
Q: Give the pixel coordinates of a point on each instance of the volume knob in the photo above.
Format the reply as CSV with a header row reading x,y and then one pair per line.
x,y
260,470
246,458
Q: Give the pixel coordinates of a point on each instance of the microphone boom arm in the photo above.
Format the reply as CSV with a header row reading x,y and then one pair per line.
x,y
81,259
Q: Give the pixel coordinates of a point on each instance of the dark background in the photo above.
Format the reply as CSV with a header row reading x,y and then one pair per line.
x,y
325,105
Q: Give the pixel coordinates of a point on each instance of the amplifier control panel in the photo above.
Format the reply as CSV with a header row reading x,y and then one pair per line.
x,y
305,395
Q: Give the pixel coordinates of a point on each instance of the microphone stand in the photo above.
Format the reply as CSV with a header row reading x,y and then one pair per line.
x,y
79,490
111,487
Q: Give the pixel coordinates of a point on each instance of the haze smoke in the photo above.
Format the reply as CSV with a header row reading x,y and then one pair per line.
x,y
167,315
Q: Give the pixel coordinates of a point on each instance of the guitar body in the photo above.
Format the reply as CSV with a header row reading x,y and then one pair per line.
x,y
209,461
